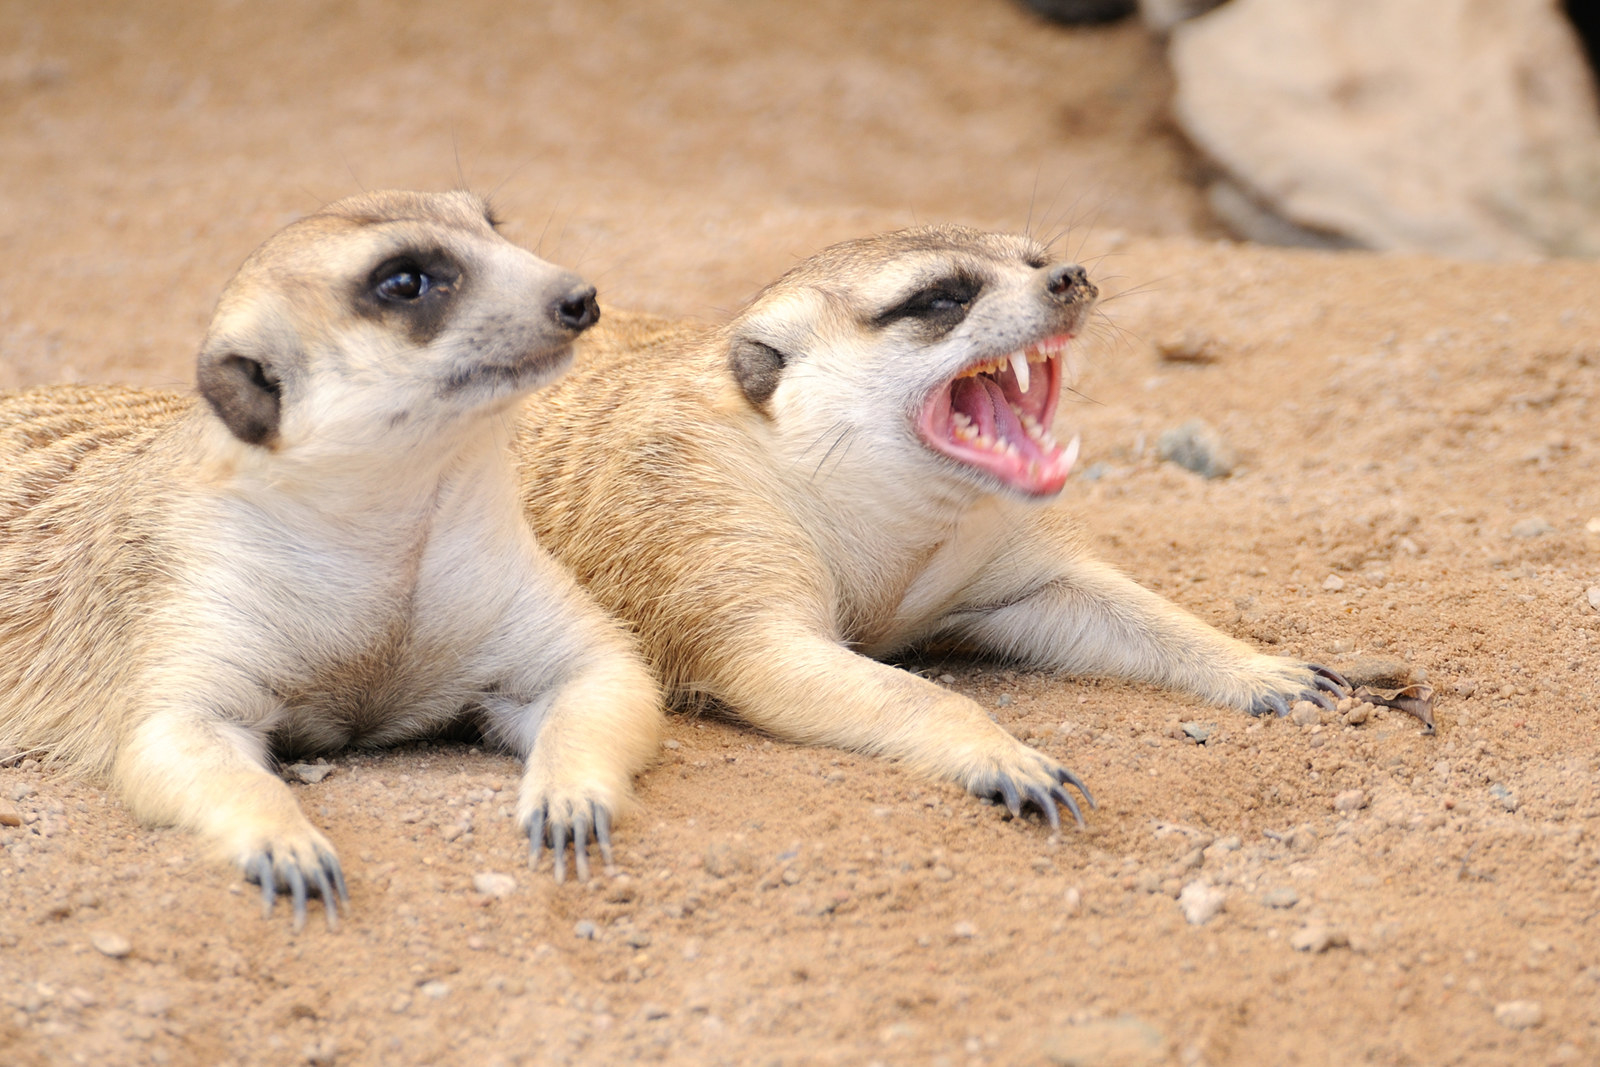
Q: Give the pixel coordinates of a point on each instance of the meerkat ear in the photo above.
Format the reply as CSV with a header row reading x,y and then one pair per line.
x,y
243,393
757,368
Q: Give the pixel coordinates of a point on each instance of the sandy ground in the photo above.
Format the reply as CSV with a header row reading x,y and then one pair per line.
x,y
1417,482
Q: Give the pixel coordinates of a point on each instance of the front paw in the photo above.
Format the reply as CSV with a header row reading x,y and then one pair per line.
x,y
1021,775
551,819
1301,681
301,864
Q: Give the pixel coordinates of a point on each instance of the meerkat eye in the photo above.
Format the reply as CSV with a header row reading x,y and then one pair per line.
x,y
402,282
940,306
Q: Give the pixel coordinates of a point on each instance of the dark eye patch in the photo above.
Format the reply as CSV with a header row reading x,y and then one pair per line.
x,y
413,290
940,305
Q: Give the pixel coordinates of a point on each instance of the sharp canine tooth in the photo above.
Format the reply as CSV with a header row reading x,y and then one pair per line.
x,y
1019,367
1070,456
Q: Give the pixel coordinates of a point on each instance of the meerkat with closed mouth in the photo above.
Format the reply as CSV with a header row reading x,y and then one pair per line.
x,y
325,548
851,468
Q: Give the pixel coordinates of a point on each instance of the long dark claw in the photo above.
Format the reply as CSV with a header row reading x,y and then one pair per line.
x,y
580,844
1067,799
535,838
330,904
331,862
297,889
602,834
1008,793
269,883
1321,700
558,848
1066,777
1331,680
1276,703
1042,800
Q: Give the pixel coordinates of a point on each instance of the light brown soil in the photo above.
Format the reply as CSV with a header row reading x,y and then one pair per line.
x,y
1402,424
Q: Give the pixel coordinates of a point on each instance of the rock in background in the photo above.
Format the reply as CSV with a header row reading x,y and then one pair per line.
x,y
1459,127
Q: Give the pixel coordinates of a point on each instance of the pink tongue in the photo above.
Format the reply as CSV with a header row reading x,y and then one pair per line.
x,y
983,401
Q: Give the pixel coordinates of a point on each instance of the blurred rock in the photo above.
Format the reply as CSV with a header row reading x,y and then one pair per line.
x,y
1197,447
1459,127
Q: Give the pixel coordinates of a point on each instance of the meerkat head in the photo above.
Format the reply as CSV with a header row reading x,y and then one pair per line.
x,y
950,340
383,313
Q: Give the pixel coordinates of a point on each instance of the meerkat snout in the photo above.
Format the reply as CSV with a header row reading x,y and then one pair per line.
x,y
578,309
1069,282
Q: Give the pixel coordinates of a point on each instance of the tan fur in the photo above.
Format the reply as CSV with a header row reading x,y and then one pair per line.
x,y
329,552
769,553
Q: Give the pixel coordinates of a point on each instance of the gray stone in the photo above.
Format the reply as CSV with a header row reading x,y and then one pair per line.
x,y
310,773
1534,527
586,930
1342,120
1195,446
1281,897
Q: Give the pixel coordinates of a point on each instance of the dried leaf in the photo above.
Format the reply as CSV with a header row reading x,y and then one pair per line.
x,y
1414,700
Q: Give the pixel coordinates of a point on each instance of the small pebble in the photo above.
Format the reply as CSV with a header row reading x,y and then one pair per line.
x,y
1003,700
1350,800
947,679
1195,446
1534,527
639,939
1072,902
586,930
152,1004
1316,939
1281,897
1506,798
1593,596
1126,1041
965,931
1200,903
671,744
1593,525
1333,583
10,816
1359,714
1519,1014
494,884
1305,713
1197,731
310,773
652,1011
108,944
434,990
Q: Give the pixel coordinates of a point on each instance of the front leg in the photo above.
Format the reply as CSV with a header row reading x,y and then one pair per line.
x,y
802,686
1084,617
594,726
186,766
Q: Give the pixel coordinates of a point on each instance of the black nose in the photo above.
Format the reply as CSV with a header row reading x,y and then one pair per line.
x,y
1069,281
578,310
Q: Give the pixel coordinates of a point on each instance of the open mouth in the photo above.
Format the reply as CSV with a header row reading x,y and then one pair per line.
x,y
995,416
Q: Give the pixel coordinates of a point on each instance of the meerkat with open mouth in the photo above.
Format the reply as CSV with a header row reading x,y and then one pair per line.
x,y
855,466
327,550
